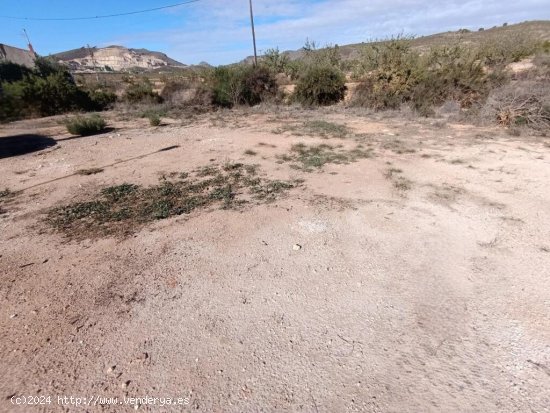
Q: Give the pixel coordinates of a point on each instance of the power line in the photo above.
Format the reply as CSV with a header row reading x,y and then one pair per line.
x,y
99,17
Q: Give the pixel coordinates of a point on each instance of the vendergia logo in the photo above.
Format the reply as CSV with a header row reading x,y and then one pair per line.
x,y
156,401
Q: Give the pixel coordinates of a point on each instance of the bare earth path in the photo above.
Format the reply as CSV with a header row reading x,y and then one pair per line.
x,y
423,291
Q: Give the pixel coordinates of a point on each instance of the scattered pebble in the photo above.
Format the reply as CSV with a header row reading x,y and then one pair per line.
x,y
143,357
297,247
13,316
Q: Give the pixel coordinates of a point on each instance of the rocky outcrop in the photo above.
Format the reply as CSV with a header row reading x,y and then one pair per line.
x,y
114,58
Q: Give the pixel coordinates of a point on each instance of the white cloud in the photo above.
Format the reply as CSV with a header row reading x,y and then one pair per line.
x,y
218,31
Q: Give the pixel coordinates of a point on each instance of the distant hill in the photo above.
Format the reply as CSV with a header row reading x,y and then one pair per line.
x,y
537,29
114,58
12,54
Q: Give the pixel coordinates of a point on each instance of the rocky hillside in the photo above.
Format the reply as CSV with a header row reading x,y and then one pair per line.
x,y
114,59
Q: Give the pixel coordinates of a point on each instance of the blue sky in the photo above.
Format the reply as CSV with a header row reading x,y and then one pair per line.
x,y
217,31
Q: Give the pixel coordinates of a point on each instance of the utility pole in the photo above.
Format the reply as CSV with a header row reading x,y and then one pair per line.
x,y
31,49
253,34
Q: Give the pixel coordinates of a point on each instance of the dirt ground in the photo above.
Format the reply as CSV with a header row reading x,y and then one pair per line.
x,y
413,280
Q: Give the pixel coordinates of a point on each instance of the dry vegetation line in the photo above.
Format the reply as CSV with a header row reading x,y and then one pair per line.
x,y
122,209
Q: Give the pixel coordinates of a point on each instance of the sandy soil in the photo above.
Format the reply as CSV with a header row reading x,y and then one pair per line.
x,y
434,298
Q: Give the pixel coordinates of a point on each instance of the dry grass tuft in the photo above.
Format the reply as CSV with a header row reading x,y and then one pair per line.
x,y
308,158
321,128
122,209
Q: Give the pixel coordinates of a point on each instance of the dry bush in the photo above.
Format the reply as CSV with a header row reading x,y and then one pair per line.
x,y
320,85
507,48
389,72
186,92
522,103
386,54
85,126
242,85
260,85
275,61
141,91
453,73
393,74
154,120
449,109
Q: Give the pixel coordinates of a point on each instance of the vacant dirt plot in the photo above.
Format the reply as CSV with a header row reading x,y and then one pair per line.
x,y
349,263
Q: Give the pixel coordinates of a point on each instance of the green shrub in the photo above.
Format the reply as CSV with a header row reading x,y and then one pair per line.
x,y
387,55
154,120
313,56
242,85
259,84
41,96
389,71
12,72
153,110
101,99
382,92
275,61
46,66
320,85
449,74
294,68
392,74
507,48
12,103
226,86
48,89
141,91
85,126
326,56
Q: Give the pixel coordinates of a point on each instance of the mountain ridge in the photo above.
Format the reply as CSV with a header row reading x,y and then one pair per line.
x,y
114,58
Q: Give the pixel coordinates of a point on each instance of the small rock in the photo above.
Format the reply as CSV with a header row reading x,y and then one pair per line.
x,y
126,384
111,369
143,357
13,316
297,247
